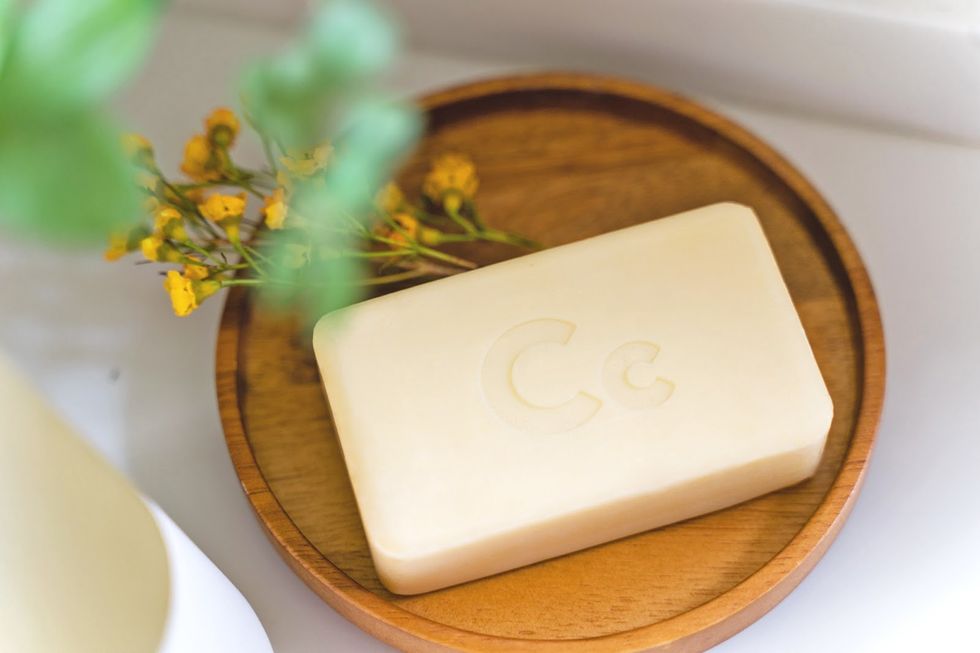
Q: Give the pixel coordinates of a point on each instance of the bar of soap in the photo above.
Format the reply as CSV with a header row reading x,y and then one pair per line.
x,y
571,397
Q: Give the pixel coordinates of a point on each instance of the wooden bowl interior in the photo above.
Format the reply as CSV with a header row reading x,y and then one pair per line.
x,y
560,165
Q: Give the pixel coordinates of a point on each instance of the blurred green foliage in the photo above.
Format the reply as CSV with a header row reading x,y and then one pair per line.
x,y
63,175
325,88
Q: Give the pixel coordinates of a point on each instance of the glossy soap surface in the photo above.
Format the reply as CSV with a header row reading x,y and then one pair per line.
x,y
571,397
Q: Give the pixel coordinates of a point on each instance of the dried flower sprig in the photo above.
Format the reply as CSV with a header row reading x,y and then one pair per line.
x,y
203,224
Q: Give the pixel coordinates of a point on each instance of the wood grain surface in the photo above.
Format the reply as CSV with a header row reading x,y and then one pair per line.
x,y
562,157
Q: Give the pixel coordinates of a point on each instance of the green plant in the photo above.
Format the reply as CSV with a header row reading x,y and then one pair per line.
x,y
331,135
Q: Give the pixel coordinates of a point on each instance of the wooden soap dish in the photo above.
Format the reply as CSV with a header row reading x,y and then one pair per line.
x,y
562,157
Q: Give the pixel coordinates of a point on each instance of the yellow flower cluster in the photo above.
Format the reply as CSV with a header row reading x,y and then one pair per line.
x,y
206,155
399,227
221,127
451,182
406,228
226,211
449,186
201,162
275,209
200,225
170,223
171,209
187,292
168,228
163,236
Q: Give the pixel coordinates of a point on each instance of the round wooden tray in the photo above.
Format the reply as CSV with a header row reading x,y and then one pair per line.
x,y
562,157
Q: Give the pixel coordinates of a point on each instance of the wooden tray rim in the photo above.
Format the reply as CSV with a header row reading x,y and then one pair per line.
x,y
703,626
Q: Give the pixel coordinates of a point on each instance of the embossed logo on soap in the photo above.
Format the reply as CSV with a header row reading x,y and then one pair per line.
x,y
506,400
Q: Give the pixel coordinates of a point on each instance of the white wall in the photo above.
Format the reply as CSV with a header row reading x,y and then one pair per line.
x,y
912,65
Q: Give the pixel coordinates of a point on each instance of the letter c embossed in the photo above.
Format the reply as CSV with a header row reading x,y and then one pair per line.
x,y
503,396
615,376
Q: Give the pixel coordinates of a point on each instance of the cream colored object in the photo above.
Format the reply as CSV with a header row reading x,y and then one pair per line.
x,y
87,565
82,565
571,397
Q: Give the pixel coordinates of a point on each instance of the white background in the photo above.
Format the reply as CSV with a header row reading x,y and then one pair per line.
x,y
903,575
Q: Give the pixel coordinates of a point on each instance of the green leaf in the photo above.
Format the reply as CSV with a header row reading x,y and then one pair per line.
x,y
377,133
285,101
65,179
7,16
351,40
338,287
63,175
321,89
68,54
324,283
298,96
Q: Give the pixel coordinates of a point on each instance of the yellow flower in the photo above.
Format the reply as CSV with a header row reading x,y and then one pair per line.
x,y
196,272
222,208
451,181
226,210
181,292
187,294
308,163
201,162
391,198
408,223
150,246
155,248
138,149
275,209
170,222
407,229
118,246
222,127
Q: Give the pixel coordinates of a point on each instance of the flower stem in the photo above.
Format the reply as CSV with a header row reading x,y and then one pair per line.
x,y
477,218
267,149
497,236
242,282
447,258
466,225
245,255
256,253
395,277
200,250
428,251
